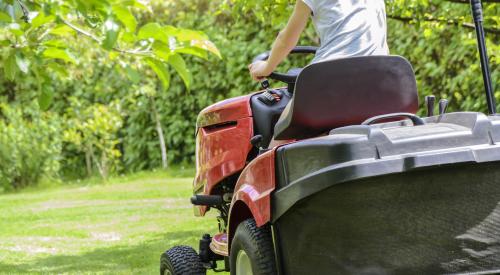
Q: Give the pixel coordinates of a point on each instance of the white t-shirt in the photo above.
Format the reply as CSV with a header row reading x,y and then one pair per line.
x,y
349,28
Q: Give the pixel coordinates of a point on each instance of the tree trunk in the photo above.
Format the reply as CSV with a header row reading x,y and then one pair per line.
x,y
159,130
88,161
100,164
104,168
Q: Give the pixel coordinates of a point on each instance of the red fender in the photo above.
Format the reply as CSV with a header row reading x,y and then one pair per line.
x,y
252,194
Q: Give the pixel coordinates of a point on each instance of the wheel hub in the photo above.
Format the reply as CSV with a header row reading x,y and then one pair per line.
x,y
243,264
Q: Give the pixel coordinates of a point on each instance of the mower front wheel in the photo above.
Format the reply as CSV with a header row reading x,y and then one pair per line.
x,y
252,250
181,260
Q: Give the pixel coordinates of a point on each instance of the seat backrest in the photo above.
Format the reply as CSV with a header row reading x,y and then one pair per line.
x,y
347,91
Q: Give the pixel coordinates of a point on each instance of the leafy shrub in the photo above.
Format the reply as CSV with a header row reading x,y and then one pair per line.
x,y
141,147
30,146
438,43
93,131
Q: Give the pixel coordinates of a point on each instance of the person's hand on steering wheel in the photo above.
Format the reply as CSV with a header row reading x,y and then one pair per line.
x,y
260,70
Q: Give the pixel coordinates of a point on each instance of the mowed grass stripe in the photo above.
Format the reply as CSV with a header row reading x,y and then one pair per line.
x,y
120,227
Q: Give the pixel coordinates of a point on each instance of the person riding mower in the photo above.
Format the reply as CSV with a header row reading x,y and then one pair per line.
x,y
348,179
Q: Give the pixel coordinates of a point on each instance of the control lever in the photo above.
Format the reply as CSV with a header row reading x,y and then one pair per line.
x,y
265,84
443,106
256,141
430,102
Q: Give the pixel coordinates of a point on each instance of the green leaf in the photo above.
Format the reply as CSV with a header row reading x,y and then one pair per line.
x,y
62,71
143,4
10,67
161,50
4,43
207,46
55,44
62,30
161,71
45,98
40,20
59,54
112,30
113,55
132,74
154,31
180,66
15,29
172,31
193,51
126,17
188,35
22,63
4,17
128,37
92,21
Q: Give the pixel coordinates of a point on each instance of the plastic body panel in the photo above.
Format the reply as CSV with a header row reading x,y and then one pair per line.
x,y
356,152
391,198
222,144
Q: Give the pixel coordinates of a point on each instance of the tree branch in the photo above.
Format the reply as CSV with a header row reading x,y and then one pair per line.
x,y
26,14
96,39
81,31
448,22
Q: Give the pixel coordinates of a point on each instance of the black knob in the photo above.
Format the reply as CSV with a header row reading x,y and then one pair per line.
x,y
265,84
256,140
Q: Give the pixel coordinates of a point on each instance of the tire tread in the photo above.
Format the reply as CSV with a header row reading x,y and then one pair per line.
x,y
261,238
183,260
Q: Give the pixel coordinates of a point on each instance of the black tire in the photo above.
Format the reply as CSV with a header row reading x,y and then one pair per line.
x,y
257,243
181,260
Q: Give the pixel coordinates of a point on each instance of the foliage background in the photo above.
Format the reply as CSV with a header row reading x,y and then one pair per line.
x,y
434,35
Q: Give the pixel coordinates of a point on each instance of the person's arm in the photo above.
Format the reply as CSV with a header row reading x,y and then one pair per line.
x,y
287,39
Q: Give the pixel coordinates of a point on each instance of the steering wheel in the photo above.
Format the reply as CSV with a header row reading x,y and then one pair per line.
x,y
283,77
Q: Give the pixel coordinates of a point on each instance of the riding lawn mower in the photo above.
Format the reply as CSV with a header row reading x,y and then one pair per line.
x,y
336,174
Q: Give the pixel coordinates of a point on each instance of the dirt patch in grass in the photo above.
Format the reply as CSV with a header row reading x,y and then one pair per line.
x,y
106,236
65,204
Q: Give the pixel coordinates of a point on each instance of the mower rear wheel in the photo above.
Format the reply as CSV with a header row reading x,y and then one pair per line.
x,y
181,260
252,250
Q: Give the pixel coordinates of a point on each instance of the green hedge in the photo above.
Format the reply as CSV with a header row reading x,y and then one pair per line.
x,y
30,147
444,58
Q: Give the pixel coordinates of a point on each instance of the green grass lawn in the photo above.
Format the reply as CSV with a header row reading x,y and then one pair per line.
x,y
120,227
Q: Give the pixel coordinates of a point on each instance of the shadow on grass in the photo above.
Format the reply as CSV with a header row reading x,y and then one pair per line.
x,y
142,258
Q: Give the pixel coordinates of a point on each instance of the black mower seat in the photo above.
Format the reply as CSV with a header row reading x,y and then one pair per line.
x,y
347,91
